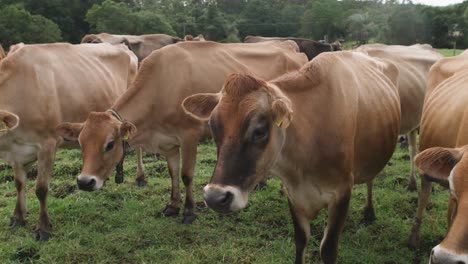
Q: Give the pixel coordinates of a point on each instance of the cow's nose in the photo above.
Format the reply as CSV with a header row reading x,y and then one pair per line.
x,y
218,199
86,183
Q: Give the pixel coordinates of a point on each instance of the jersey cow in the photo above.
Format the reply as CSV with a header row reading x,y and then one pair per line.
x,y
322,129
309,47
444,125
41,88
413,63
141,45
150,112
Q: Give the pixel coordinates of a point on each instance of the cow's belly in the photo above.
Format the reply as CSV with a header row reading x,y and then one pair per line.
x,y
19,153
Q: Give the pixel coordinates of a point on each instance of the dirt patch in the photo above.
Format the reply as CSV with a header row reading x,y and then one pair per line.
x,y
64,190
25,254
32,173
208,161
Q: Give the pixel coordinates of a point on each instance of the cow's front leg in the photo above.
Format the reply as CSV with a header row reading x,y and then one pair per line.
x,y
301,232
173,162
140,179
423,200
413,150
337,212
189,155
19,216
46,158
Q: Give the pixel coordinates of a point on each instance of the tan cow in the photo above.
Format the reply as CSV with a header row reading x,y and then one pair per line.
x,y
413,63
321,130
151,115
42,86
444,124
141,45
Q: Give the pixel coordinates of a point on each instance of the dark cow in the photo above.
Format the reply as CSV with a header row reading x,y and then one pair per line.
x,y
310,47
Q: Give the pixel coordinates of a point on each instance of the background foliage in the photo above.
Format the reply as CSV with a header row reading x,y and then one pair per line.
x,y
388,21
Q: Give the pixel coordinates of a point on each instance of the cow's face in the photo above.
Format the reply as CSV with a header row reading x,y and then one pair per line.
x,y
450,166
101,139
247,120
91,38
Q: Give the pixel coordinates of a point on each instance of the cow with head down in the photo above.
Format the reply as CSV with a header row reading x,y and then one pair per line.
x,y
331,125
443,136
141,45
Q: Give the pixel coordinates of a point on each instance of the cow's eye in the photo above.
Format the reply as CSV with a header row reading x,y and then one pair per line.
x,y
260,133
109,146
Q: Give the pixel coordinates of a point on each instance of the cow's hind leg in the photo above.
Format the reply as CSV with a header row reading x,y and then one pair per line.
x,y
413,149
301,232
173,162
46,158
423,200
369,213
337,212
140,179
19,216
189,154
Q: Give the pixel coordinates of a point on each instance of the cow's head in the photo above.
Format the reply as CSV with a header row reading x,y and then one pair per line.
x,y
450,166
247,119
101,139
8,121
91,38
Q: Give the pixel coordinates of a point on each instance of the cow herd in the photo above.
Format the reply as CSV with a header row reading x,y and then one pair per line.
x,y
319,120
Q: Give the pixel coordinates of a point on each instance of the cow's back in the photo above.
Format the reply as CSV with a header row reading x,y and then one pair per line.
x,y
413,63
444,122
51,83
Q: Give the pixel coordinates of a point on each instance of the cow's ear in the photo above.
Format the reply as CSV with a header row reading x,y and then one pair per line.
x,y
200,106
8,120
69,131
437,163
282,112
127,130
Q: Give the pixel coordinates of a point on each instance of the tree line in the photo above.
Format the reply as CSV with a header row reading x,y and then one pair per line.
x,y
361,21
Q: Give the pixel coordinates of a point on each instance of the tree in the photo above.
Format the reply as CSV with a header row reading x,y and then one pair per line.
x,y
323,18
18,25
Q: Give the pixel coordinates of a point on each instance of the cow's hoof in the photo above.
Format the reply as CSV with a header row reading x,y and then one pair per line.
x,y
188,219
412,187
369,217
141,183
119,179
41,235
171,211
16,222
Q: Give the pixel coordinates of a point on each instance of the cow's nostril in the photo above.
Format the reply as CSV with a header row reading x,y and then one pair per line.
x,y
91,183
228,197
460,262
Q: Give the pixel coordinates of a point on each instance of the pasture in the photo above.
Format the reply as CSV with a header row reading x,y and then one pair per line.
x,y
124,224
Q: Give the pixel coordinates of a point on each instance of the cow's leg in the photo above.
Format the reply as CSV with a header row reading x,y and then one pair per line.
x,y
301,232
337,212
369,214
173,162
46,158
423,200
119,171
413,149
189,155
140,179
19,216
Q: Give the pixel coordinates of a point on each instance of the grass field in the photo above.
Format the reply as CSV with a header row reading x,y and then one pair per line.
x,y
123,223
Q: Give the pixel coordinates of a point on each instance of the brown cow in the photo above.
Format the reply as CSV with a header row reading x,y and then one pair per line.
x,y
151,115
444,122
321,130
413,63
141,45
309,47
40,88
450,167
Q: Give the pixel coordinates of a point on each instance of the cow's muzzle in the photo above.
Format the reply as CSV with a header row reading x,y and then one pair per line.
x,y
87,183
224,199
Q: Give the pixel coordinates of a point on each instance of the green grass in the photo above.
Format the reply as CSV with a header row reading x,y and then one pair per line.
x,y
123,223
450,52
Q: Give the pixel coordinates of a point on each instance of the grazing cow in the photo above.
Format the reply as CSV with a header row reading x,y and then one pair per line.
x,y
443,124
197,38
311,48
141,45
413,63
150,115
322,129
42,86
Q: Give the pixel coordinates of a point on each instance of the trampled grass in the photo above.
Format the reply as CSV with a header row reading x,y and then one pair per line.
x,y
123,223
